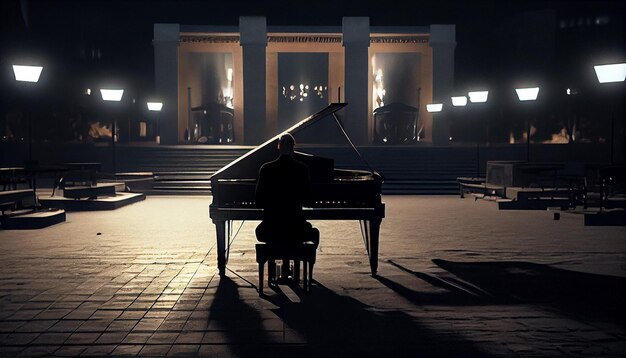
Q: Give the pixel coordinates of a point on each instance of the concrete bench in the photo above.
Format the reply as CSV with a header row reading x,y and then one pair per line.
x,y
91,192
478,185
11,177
14,198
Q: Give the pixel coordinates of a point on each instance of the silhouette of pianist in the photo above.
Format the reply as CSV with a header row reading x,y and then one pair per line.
x,y
282,190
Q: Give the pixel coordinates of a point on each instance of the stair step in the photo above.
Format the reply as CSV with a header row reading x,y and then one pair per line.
x,y
180,192
186,170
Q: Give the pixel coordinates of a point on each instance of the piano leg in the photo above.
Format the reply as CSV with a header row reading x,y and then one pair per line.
x,y
373,250
371,231
220,228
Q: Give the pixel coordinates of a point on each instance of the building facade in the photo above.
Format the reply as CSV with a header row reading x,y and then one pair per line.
x,y
244,84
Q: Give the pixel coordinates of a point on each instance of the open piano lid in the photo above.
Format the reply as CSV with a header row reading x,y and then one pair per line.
x,y
248,165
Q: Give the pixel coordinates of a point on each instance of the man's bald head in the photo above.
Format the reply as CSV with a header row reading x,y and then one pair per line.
x,y
286,143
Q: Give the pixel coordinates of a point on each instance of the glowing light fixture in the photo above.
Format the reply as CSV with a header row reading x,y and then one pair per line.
x,y
27,73
155,106
114,95
478,96
527,94
459,101
611,73
434,107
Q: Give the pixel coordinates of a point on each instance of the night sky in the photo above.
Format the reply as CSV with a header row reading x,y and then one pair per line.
x,y
87,42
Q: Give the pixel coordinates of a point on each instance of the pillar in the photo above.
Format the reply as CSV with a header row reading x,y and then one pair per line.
x,y
356,41
166,38
442,41
253,40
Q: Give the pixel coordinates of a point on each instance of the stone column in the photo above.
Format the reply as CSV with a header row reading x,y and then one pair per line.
x,y
442,41
253,40
166,37
356,41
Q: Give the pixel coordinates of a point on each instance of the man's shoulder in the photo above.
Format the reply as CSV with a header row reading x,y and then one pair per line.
x,y
269,165
281,164
301,165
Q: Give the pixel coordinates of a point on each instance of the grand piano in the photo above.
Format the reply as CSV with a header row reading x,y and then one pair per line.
x,y
339,194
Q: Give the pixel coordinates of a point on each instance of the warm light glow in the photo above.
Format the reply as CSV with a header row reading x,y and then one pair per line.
x,y
459,101
228,92
112,94
155,106
611,73
292,93
527,94
379,91
434,107
478,96
27,73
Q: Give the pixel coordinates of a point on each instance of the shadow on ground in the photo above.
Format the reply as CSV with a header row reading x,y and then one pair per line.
x,y
341,326
450,291
574,293
241,325
329,325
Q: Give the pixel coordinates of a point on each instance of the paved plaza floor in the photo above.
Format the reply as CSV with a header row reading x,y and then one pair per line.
x,y
457,278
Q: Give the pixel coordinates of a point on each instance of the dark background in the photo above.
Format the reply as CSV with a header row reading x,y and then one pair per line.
x,y
500,44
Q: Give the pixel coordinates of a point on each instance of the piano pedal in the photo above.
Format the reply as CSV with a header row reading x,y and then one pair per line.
x,y
280,277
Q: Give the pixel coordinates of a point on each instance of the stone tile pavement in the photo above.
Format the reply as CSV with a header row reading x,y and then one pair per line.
x,y
457,278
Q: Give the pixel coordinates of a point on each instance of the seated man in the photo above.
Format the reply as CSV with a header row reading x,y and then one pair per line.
x,y
282,190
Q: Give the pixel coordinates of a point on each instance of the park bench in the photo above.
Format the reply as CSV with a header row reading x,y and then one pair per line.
x,y
13,199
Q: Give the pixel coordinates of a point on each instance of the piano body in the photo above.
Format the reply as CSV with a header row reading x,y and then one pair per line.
x,y
338,194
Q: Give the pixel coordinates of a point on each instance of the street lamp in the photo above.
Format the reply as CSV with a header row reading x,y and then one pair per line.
x,y
525,95
156,107
459,101
478,96
28,73
434,107
112,95
609,74
25,73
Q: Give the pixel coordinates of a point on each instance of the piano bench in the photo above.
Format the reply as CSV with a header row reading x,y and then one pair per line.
x,y
297,252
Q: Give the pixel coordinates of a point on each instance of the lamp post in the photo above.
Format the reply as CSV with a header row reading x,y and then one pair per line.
x,y
156,107
479,97
611,73
112,95
461,102
524,95
458,104
29,74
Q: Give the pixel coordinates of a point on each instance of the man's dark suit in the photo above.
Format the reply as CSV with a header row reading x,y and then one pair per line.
x,y
282,190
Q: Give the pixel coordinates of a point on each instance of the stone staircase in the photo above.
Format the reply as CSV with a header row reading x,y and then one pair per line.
x,y
186,170
411,170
